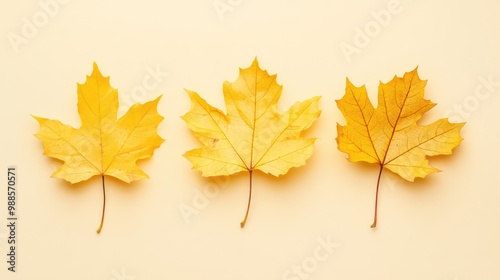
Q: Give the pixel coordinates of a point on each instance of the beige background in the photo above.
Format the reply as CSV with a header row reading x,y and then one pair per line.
x,y
445,227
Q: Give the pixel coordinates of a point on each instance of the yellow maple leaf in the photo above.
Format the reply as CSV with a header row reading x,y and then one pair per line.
x,y
253,135
103,145
390,134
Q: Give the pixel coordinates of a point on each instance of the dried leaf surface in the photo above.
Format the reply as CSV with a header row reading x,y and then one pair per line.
x,y
253,135
103,145
390,134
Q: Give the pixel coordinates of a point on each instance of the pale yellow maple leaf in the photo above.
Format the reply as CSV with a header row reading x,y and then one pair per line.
x,y
390,134
103,145
253,135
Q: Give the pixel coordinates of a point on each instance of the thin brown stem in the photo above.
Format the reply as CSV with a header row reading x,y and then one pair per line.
x,y
376,197
103,204
242,224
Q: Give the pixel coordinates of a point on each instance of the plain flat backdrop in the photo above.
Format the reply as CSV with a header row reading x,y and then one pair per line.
x,y
444,227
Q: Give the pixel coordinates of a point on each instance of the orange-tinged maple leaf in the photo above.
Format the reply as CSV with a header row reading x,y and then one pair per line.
x,y
253,135
390,134
103,145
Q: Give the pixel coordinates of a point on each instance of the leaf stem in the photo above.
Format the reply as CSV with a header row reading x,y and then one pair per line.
x,y
376,197
103,204
242,224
